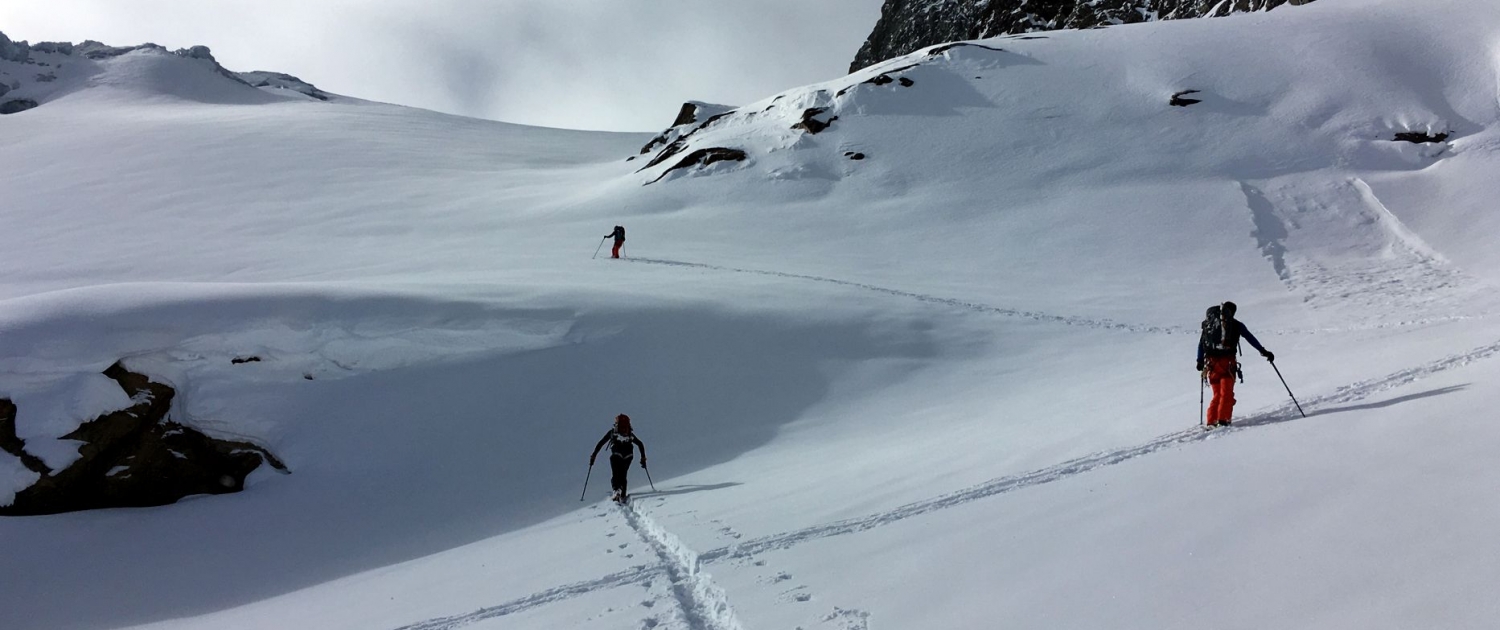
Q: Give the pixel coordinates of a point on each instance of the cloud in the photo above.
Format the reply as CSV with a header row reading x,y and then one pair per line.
x,y
591,64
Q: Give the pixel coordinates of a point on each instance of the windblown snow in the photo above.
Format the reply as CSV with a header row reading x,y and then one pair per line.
x,y
911,348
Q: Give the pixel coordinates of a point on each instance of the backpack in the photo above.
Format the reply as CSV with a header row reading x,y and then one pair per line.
x,y
619,231
1216,338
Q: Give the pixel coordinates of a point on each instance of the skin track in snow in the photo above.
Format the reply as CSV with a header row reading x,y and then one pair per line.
x,y
701,594
704,605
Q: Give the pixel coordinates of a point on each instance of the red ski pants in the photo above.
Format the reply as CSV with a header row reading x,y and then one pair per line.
x,y
1221,379
615,253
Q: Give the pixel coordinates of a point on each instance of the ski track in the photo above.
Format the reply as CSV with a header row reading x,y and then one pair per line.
x,y
932,299
1069,320
635,575
697,593
704,604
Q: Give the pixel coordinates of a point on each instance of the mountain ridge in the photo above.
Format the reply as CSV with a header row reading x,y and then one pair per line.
x,y
909,25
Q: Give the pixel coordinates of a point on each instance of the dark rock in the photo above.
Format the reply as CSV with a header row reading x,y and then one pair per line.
x,y
947,47
283,81
60,48
15,445
854,156
672,149
196,52
909,25
16,106
46,78
813,125
1180,99
137,457
690,113
704,157
13,51
687,115
91,49
905,82
880,79
239,360
1422,137
4,89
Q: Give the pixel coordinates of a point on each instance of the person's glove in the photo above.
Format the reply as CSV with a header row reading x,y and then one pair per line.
x,y
643,462
1200,365
1268,355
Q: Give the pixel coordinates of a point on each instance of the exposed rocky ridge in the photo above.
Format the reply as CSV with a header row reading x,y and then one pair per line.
x,y
134,457
689,117
703,135
909,25
282,81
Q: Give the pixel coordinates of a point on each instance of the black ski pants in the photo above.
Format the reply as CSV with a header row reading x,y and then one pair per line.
x,y
619,469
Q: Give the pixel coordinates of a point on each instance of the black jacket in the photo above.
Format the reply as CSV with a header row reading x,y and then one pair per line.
x,y
620,445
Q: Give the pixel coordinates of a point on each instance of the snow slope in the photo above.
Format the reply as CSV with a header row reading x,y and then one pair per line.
x,y
946,385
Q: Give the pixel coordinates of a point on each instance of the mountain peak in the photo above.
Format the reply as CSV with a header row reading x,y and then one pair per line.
x,y
909,25
34,74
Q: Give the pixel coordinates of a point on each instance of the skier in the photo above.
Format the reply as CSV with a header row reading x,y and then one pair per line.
x,y
619,236
1217,346
621,442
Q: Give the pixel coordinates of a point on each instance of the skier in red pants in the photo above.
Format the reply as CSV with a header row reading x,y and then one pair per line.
x,y
1217,348
622,442
619,235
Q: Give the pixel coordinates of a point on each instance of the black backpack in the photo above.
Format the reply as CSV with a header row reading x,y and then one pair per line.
x,y
1218,339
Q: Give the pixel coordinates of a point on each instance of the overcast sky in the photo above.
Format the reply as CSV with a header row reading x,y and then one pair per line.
x,y
584,64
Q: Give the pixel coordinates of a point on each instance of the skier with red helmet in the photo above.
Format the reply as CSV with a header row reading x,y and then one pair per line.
x,y
622,443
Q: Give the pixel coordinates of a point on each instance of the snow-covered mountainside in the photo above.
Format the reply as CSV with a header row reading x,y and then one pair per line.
x,y
907,25
911,348
33,74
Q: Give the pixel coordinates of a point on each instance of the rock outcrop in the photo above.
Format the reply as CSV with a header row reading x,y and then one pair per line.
x,y
692,116
134,457
908,25
282,81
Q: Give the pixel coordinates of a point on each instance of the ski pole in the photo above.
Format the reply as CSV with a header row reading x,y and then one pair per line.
x,y
1288,389
596,249
586,481
648,477
1202,413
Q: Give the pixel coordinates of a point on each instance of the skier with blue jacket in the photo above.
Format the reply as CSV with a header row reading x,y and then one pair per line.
x,y
1217,348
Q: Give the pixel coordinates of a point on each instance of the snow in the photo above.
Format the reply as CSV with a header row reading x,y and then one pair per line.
x,y
944,386
49,406
16,477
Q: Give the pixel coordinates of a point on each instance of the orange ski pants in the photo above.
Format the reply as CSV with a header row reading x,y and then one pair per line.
x,y
615,253
1221,379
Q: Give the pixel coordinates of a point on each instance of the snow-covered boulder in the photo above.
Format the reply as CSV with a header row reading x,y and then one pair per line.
x,y
136,456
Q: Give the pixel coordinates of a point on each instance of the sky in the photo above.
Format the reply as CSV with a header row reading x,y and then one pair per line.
x,y
622,65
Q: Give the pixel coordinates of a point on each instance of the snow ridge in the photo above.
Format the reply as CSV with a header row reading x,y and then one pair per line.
x,y
704,604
